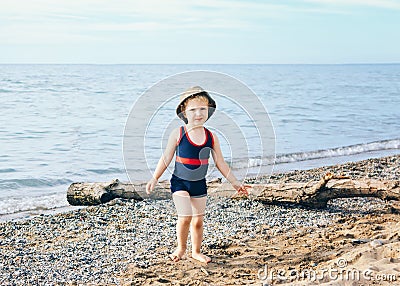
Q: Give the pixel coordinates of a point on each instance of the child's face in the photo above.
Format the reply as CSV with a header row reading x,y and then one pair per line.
x,y
196,111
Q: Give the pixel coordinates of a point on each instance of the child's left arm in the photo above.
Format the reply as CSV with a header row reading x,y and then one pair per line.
x,y
225,170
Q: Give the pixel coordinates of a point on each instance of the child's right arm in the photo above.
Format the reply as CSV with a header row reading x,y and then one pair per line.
x,y
165,160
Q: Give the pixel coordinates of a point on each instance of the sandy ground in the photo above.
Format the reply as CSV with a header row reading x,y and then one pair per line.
x,y
362,251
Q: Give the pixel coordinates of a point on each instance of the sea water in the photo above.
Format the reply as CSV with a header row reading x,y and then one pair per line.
x,y
65,123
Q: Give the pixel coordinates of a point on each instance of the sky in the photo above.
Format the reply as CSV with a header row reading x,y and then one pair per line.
x,y
200,32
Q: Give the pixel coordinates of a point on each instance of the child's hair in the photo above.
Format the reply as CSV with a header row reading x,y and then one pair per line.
x,y
199,96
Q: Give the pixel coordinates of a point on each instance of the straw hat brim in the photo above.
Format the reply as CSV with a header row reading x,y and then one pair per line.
x,y
196,92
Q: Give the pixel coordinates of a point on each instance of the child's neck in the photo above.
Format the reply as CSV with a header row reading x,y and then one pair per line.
x,y
194,128
196,134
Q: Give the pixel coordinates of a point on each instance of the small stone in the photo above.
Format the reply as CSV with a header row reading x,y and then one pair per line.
x,y
359,241
376,243
313,264
204,271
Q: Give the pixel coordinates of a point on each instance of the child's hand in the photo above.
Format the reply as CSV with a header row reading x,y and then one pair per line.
x,y
242,189
150,185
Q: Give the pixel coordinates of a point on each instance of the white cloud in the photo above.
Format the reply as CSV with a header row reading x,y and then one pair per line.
x,y
387,4
138,26
46,20
25,21
184,25
72,21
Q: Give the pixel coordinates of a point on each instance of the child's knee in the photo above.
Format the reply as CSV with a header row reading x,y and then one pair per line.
x,y
197,222
185,220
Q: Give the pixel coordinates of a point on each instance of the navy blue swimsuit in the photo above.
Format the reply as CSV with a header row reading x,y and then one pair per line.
x,y
191,164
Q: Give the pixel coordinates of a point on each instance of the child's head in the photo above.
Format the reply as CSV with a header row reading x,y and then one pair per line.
x,y
197,94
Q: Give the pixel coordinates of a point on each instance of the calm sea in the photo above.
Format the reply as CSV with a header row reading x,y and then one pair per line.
x,y
65,123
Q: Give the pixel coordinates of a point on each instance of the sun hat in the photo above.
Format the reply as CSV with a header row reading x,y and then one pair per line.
x,y
193,92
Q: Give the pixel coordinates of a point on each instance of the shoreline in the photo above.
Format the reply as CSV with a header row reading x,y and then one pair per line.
x,y
127,243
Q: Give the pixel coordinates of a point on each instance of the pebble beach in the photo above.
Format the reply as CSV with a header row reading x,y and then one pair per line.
x,y
127,242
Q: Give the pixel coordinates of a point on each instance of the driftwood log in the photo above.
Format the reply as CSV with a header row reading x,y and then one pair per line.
x,y
88,194
315,194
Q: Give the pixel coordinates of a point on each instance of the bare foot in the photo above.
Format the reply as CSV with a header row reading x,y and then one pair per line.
x,y
177,255
201,257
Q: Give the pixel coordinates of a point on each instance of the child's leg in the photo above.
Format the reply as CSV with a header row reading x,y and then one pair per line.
x,y
198,206
182,232
184,210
